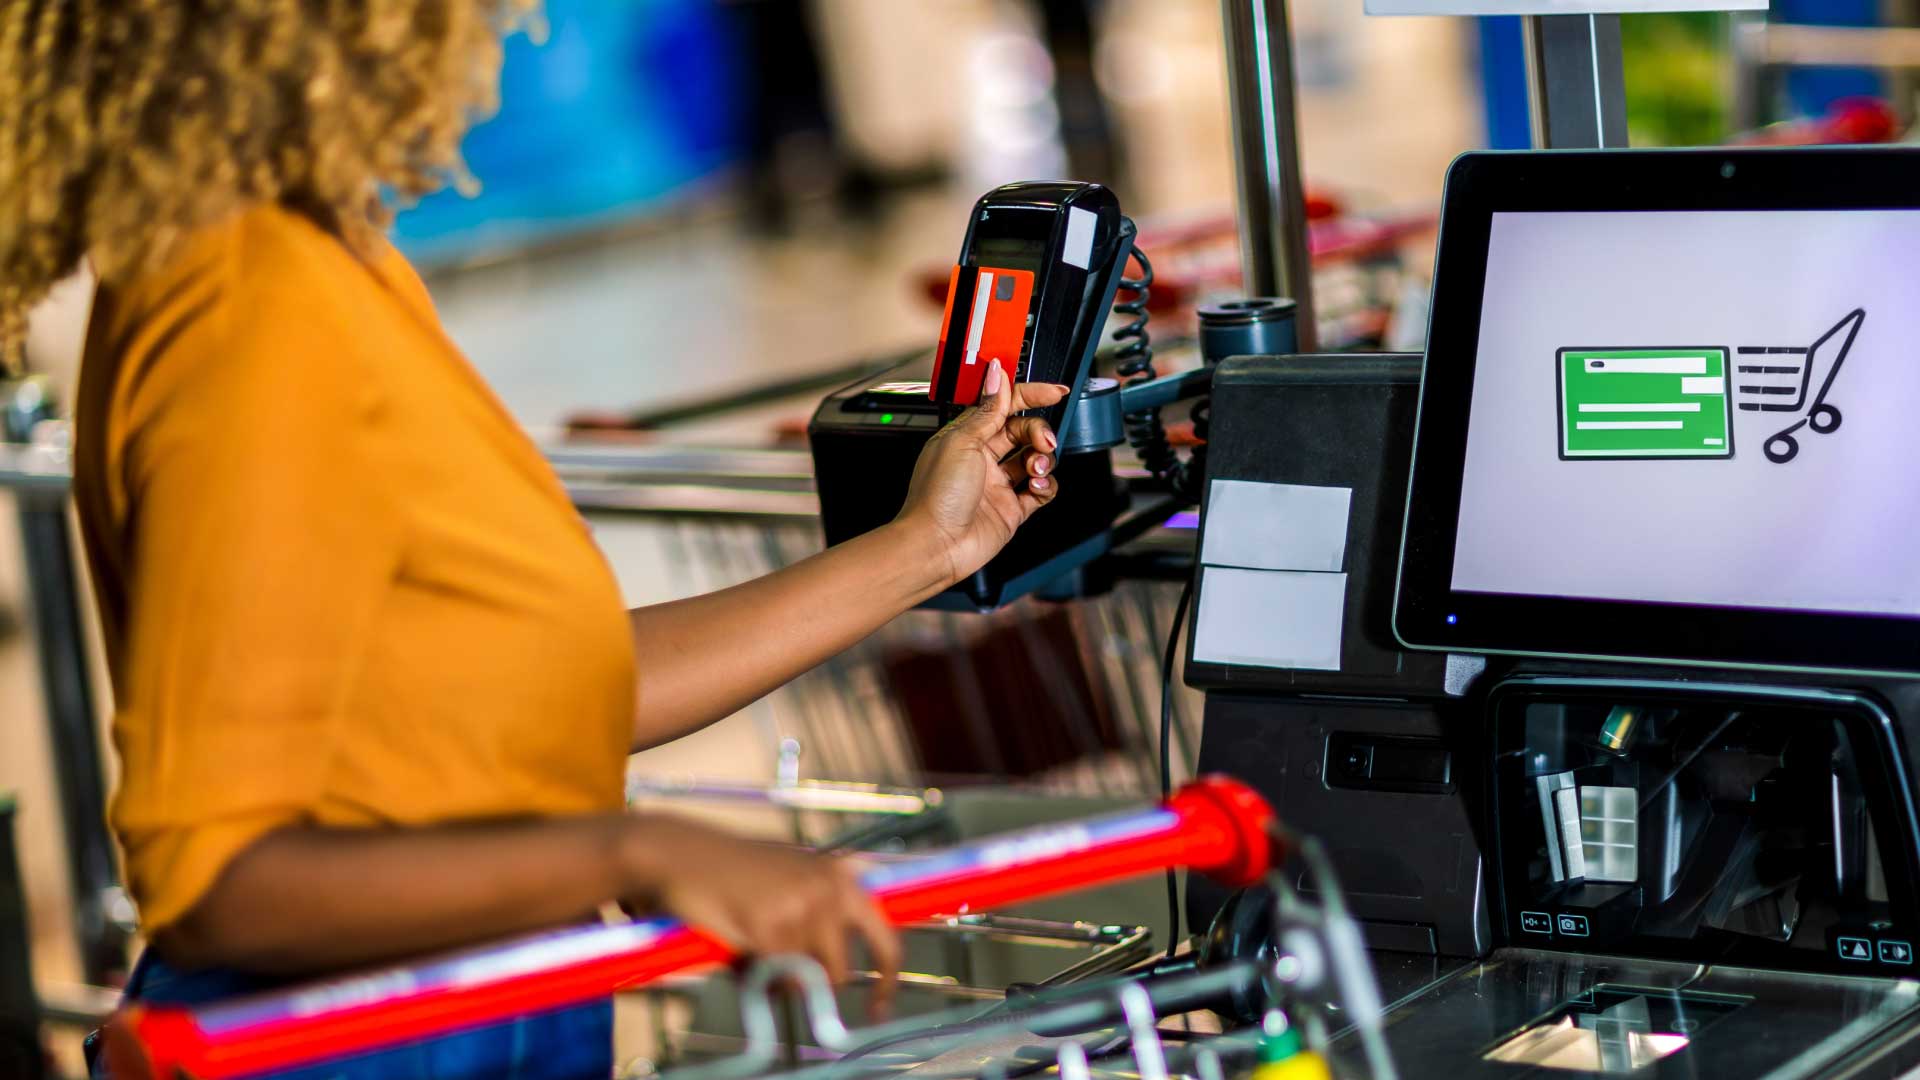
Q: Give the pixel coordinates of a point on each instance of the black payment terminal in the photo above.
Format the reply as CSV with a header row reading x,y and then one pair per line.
x,y
1036,277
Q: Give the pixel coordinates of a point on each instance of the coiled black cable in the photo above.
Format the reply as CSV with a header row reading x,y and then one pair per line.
x,y
1133,363
1135,358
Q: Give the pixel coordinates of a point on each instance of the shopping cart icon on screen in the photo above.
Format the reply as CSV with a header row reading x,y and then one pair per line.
x,y
1776,378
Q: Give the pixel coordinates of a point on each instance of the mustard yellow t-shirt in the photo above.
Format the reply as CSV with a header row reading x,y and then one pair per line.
x,y
339,584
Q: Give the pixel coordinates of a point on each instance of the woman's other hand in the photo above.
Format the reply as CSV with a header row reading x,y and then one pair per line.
x,y
761,899
980,477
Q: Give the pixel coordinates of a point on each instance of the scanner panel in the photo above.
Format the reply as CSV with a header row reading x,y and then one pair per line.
x,y
1769,826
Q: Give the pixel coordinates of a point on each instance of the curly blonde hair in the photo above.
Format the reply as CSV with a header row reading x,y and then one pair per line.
x,y
127,123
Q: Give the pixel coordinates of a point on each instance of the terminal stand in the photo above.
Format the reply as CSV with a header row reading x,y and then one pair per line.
x,y
1576,84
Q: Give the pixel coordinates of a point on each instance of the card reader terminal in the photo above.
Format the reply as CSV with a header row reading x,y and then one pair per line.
x,y
1031,291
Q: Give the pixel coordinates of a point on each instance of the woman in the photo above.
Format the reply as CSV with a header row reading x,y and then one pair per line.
x,y
374,686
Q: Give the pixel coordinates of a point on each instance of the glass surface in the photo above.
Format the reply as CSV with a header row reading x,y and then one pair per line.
x,y
1015,252
1735,1021
1015,240
1614,1031
1696,407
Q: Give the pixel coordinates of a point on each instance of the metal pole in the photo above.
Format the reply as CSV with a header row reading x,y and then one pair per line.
x,y
21,1053
1274,256
1576,83
60,639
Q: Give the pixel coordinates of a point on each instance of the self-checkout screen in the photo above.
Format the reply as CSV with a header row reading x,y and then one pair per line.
x,y
1699,407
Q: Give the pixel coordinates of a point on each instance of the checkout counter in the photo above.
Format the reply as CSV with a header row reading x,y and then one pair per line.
x,y
1576,659
1600,712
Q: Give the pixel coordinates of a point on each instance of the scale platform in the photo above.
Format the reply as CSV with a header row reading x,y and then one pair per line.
x,y
1533,1013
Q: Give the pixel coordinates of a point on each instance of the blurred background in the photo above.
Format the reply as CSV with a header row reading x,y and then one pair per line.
x,y
697,216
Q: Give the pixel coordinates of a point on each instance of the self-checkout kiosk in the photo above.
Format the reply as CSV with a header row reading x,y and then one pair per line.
x,y
1585,642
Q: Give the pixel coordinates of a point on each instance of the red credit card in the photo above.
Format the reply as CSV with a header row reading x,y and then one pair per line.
x,y
994,330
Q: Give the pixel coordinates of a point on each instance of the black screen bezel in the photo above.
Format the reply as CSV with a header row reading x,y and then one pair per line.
x,y
1481,184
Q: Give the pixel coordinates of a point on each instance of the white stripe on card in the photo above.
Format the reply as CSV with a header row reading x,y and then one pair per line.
x,y
982,292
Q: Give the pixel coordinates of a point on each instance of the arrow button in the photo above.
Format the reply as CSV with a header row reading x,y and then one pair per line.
x,y
1853,948
1896,952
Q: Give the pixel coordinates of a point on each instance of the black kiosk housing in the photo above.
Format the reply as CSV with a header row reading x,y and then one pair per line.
x,y
1777,847
1699,868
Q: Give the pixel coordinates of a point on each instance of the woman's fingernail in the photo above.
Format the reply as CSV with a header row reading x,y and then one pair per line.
x,y
1041,465
994,375
1039,483
1049,440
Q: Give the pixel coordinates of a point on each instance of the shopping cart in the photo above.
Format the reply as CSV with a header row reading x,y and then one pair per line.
x,y
1316,983
1775,378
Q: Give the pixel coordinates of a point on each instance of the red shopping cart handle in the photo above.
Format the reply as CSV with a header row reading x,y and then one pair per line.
x,y
1215,826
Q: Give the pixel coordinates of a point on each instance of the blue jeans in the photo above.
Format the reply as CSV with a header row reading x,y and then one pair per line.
x,y
575,1043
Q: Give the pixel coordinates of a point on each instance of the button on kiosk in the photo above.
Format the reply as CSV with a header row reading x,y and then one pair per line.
x,y
1662,501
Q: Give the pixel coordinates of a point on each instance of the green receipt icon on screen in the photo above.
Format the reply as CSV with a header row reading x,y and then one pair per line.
x,y
1645,403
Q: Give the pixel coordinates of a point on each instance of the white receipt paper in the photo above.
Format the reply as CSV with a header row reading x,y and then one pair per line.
x,y
1269,618
1276,526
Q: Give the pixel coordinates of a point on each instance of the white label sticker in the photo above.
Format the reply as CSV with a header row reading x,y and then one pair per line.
x,y
1079,247
1276,526
1270,618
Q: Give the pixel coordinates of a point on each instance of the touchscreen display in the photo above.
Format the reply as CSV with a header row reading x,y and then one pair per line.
x,y
1707,408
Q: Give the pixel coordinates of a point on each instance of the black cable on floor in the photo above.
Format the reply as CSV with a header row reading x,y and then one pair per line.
x,y
1166,749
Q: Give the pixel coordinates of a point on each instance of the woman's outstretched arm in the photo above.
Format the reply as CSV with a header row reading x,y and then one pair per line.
x,y
978,479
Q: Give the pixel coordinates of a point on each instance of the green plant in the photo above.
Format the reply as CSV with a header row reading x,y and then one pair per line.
x,y
1676,75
